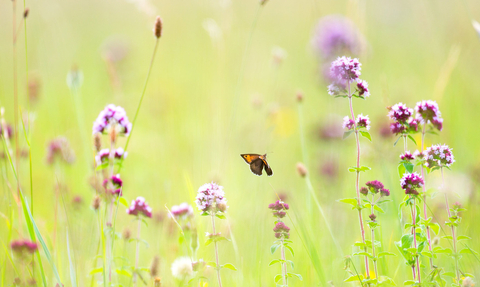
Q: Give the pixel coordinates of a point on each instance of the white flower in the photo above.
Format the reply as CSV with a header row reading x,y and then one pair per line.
x,y
182,268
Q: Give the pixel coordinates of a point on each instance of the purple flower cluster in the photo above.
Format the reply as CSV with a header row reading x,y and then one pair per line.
x,y
403,119
20,246
375,187
335,34
438,156
279,207
407,156
59,148
211,197
363,122
348,123
8,131
281,230
117,184
362,87
183,210
112,115
410,182
428,112
139,206
103,155
345,69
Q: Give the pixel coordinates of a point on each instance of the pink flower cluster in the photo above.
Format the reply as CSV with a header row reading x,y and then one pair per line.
x,y
139,206
117,184
362,122
362,87
281,230
112,115
375,187
428,112
183,210
438,155
19,246
403,119
278,208
410,182
103,155
8,131
345,69
59,148
211,197
407,156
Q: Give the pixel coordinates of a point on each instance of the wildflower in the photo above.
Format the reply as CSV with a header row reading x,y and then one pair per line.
x,y
182,268
117,184
374,186
302,169
281,230
21,246
438,156
112,116
457,205
60,148
199,265
334,35
103,155
362,87
413,125
363,122
183,210
372,217
428,112
410,182
364,190
6,132
210,196
468,282
140,206
397,128
400,113
96,203
300,96
278,205
348,123
345,69
337,88
385,192
126,234
407,156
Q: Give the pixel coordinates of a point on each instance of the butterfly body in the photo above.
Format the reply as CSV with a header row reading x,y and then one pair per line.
x,y
257,163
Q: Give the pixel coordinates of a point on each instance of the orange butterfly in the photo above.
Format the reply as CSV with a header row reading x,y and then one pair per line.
x,y
257,162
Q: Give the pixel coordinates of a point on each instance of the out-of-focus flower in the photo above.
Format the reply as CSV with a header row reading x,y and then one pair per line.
x,y
127,234
278,55
183,211
400,113
96,203
210,196
438,156
348,123
364,190
413,125
407,156
337,88
345,69
112,115
397,128
8,133
139,206
154,266
331,129
33,88
468,281
103,155
363,122
182,268
302,169
59,148
410,182
22,246
279,208
116,183
428,112
335,35
374,186
372,217
281,230
157,28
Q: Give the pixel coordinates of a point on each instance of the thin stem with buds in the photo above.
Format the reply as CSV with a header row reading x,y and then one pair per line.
x,y
425,199
216,252
413,208
373,240
284,265
357,182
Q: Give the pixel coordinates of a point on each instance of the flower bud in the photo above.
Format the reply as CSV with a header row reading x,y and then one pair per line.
x,y
222,207
157,29
302,169
154,266
96,203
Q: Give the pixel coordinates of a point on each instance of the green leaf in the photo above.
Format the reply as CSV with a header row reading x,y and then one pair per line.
x,y
221,216
229,266
351,201
468,251
354,278
275,261
366,135
408,282
435,227
291,264
444,251
378,208
395,143
124,201
274,248
401,170
96,270
278,278
123,272
385,253
412,139
347,134
408,166
212,264
291,250
295,275
463,237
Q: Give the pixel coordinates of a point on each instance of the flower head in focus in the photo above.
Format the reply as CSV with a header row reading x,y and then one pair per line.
x,y
112,116
211,197
410,182
428,112
438,156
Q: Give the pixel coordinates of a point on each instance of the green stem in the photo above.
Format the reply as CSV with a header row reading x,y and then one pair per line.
x,y
216,252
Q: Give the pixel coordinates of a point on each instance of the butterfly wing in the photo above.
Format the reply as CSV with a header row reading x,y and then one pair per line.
x,y
249,157
256,166
268,170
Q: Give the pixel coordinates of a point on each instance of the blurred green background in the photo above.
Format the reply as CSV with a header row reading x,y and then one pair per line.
x,y
196,120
